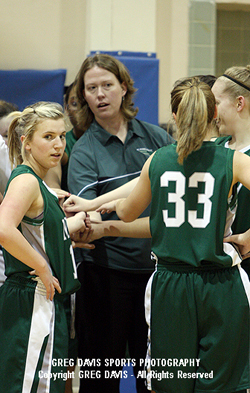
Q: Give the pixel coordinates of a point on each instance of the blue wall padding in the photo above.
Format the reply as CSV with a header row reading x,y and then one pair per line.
x,y
25,87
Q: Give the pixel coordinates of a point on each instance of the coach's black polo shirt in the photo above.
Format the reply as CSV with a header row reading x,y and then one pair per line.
x,y
101,162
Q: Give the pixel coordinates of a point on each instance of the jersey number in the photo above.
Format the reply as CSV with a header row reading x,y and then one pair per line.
x,y
176,197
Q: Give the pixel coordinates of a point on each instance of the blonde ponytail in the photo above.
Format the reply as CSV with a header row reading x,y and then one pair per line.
x,y
14,140
193,104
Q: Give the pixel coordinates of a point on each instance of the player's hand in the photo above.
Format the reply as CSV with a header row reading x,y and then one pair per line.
x,y
76,204
107,207
61,195
242,241
82,239
77,222
50,282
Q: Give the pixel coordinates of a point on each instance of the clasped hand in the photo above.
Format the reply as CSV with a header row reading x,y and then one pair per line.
x,y
79,229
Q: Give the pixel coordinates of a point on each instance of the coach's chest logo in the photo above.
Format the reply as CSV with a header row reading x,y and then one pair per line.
x,y
145,151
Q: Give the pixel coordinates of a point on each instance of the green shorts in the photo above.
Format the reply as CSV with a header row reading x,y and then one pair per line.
x,y
33,338
198,330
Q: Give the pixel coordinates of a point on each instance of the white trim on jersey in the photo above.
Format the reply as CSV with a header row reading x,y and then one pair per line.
x,y
34,233
245,282
147,304
50,190
231,250
42,326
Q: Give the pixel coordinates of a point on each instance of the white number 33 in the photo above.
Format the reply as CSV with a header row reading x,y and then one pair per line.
x,y
176,197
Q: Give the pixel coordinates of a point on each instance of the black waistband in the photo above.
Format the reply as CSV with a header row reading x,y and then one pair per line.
x,y
26,281
184,267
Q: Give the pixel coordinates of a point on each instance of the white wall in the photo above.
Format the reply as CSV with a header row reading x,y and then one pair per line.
x,y
172,49
29,34
121,25
42,34
49,34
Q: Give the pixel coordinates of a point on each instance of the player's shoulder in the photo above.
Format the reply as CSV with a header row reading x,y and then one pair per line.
x,y
24,183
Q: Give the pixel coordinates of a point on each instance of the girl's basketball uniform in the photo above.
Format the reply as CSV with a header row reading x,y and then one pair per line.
x,y
197,300
33,330
242,220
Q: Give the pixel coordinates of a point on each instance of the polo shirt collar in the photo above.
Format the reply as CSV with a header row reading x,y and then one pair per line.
x,y
103,136
133,127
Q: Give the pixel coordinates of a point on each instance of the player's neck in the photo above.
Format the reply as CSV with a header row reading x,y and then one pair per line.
x,y
240,138
208,135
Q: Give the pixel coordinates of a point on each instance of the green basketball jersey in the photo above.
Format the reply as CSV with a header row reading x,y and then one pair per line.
x,y
242,218
190,212
49,235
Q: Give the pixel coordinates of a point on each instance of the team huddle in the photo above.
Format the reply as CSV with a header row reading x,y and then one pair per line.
x,y
159,272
